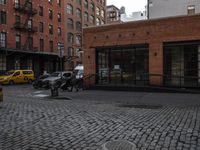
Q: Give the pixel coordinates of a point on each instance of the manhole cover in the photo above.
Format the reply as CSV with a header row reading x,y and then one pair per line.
x,y
141,106
119,145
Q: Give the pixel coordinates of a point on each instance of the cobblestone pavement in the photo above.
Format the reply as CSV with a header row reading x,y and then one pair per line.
x,y
29,120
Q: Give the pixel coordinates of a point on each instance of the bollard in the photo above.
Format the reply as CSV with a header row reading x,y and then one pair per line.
x,y
54,91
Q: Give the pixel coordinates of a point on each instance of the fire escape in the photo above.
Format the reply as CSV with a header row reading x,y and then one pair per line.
x,y
27,26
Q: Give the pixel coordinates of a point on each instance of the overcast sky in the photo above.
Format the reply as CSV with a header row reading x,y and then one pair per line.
x,y
130,5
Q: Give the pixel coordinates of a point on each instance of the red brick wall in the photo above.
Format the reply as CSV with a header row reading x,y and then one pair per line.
x,y
11,32
153,32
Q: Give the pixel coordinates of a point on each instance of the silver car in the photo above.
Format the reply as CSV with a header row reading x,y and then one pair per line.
x,y
57,78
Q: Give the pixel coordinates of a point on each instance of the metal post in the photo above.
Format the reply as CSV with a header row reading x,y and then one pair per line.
x,y
61,53
199,65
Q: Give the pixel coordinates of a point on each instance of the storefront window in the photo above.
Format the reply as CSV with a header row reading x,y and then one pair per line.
x,y
2,63
181,67
123,66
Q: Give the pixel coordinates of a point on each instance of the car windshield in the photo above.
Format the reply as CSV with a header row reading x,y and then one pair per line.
x,y
43,76
9,73
55,74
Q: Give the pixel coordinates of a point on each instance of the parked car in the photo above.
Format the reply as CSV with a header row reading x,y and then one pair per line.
x,y
1,94
56,78
17,76
38,82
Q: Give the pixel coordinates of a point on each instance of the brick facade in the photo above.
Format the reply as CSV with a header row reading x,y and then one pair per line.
x,y
88,11
40,57
151,32
11,28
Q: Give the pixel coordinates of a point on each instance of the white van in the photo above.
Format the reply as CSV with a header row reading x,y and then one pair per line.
x,y
79,71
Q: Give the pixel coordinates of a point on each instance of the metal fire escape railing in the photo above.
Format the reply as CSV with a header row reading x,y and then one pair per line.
x,y
25,8
26,27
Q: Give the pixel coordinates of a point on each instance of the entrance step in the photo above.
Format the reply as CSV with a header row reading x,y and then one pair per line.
x,y
154,89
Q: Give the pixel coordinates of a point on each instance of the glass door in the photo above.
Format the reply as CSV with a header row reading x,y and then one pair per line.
x,y
115,66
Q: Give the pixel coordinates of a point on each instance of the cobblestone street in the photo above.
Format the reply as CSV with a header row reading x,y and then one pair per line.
x,y
85,120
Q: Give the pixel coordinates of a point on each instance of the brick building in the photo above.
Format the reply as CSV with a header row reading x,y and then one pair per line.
x,y
162,52
30,32
113,14
78,14
34,33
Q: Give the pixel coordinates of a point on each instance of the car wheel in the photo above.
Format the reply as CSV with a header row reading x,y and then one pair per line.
x,y
11,82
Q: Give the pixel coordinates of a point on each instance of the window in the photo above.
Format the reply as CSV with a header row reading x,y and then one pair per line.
x,y
97,21
70,24
29,6
16,4
18,41
78,2
2,1
191,10
30,43
41,11
59,2
50,14
69,9
41,27
78,39
150,4
50,1
92,7
102,22
41,44
50,29
86,4
78,13
97,10
70,51
2,17
181,64
3,39
59,31
2,62
78,26
29,23
92,19
102,13
27,72
59,17
16,74
17,19
70,38
29,66
51,46
86,17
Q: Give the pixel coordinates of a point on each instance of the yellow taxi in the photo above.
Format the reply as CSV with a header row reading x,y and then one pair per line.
x,y
17,76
